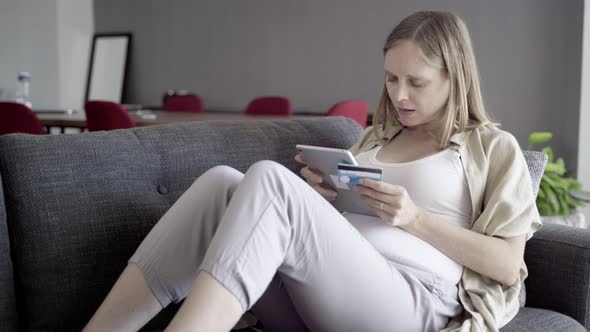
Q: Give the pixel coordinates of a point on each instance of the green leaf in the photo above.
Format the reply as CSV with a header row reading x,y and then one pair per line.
x,y
552,199
541,194
539,137
553,168
547,179
574,202
564,209
556,181
544,208
573,184
578,202
549,152
561,166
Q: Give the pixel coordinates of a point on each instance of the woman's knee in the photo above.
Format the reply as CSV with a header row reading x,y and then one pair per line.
x,y
218,180
267,167
223,175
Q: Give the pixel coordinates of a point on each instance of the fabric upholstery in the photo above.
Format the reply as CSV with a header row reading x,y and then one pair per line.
x,y
106,115
79,205
18,118
8,316
536,162
358,110
539,320
269,106
183,103
558,259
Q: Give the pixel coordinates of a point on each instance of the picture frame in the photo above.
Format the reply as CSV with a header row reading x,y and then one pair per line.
x,y
108,67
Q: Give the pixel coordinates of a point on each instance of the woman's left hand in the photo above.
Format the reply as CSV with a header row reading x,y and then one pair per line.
x,y
391,202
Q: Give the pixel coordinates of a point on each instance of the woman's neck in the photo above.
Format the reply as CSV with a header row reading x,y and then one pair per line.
x,y
422,134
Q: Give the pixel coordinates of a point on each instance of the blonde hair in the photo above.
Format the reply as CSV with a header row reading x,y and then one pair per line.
x,y
444,43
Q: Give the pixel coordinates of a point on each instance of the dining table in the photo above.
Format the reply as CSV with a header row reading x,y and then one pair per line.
x,y
77,118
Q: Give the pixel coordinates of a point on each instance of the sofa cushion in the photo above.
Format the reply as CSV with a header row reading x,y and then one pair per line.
x,y
536,162
558,259
79,205
8,318
540,320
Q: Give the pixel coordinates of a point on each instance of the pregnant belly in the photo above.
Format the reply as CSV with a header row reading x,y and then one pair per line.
x,y
399,246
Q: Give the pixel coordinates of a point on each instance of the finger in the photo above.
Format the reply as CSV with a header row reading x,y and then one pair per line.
x,y
316,176
384,216
311,175
326,192
369,192
377,204
383,187
299,158
385,213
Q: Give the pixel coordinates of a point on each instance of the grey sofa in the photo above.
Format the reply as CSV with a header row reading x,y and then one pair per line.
x,y
73,208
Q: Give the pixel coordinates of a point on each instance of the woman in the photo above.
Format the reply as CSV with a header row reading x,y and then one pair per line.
x,y
455,209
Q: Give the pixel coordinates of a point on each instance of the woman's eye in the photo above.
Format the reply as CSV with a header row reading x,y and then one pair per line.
x,y
416,84
391,79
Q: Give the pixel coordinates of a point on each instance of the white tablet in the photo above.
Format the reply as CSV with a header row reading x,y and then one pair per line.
x,y
326,160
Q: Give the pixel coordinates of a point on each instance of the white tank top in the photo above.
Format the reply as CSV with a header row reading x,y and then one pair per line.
x,y
436,183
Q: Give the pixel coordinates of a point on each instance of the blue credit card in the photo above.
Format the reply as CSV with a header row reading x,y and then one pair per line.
x,y
351,174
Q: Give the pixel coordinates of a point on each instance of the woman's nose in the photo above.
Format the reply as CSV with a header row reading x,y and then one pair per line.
x,y
400,93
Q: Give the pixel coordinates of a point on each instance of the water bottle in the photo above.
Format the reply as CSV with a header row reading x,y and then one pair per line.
x,y
23,93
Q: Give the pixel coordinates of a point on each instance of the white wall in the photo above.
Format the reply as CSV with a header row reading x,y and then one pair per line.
x,y
50,39
76,27
28,39
321,52
584,126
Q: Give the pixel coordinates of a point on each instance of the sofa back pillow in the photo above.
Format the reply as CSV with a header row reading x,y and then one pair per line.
x,y
79,205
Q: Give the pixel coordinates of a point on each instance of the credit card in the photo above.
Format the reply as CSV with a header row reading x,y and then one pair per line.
x,y
351,174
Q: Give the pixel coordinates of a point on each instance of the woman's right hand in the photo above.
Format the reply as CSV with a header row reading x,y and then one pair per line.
x,y
314,179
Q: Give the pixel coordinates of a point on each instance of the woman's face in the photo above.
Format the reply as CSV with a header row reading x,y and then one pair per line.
x,y
418,90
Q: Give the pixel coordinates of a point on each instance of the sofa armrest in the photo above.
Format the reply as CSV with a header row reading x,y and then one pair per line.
x,y
558,260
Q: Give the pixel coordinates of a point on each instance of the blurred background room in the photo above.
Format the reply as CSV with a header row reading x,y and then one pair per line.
x,y
533,56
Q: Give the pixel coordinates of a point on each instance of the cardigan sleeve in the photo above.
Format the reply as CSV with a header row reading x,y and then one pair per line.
x,y
508,210
509,207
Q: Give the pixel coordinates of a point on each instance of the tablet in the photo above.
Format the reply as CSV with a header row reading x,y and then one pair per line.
x,y
326,160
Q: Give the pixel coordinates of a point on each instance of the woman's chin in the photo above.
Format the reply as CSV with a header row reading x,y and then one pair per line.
x,y
407,122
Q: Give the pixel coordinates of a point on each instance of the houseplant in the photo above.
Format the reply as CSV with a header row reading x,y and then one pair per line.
x,y
554,197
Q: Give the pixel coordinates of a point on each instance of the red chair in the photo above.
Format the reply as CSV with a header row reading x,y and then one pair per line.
x,y
183,103
18,118
357,110
106,115
269,106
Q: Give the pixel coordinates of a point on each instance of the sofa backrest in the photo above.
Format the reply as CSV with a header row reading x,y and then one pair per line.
x,y
79,205
8,317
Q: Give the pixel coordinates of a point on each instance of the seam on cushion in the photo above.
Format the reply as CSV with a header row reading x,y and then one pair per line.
x,y
149,153
564,243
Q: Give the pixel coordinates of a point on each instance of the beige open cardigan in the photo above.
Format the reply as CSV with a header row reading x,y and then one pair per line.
x,y
503,205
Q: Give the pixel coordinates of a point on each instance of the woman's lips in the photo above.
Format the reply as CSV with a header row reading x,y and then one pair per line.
x,y
405,110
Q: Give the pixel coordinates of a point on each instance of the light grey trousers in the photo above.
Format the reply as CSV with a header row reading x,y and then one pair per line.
x,y
288,255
